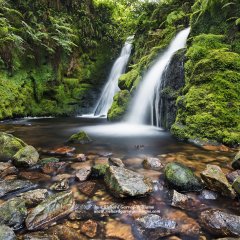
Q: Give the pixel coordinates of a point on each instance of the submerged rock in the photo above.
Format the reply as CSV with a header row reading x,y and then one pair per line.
x,y
11,186
118,230
80,137
215,180
54,167
51,209
209,195
13,213
123,182
154,227
236,161
88,188
7,168
6,233
9,146
27,156
34,197
152,163
220,223
182,178
89,228
236,185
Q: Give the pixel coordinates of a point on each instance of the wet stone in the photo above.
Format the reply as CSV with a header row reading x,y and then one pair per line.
x,y
209,195
215,180
153,227
81,138
62,185
116,162
89,228
152,163
236,161
7,168
232,176
123,182
220,223
6,233
13,213
236,185
62,151
88,188
12,186
51,209
54,168
83,173
35,176
39,236
48,160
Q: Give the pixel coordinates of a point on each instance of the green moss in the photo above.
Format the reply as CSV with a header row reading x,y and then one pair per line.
x,y
80,137
99,170
119,106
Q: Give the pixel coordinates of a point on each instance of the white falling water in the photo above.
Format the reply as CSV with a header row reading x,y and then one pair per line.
x,y
111,88
146,98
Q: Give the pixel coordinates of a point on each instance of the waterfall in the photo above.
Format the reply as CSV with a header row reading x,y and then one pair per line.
x,y
146,100
111,88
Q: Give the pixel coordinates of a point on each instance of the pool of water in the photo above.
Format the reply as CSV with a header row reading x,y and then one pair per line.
x,y
131,144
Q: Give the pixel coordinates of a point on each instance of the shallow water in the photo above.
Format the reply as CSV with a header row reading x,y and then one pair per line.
x,y
131,144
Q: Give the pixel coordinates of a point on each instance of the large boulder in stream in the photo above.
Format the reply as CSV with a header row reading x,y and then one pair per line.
x,y
216,180
53,208
6,233
236,161
12,186
27,156
182,178
9,146
220,223
13,213
123,182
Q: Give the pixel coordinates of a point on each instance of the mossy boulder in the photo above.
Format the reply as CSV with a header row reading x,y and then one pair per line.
x,y
9,146
181,178
99,170
126,183
236,161
215,180
6,233
27,156
80,137
13,213
119,106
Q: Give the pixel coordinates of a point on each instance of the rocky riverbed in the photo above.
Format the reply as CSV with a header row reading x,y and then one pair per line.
x,y
64,193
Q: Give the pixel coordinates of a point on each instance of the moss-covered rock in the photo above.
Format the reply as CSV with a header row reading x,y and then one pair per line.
x,y
236,161
236,185
9,146
27,156
99,170
48,160
181,178
80,137
119,106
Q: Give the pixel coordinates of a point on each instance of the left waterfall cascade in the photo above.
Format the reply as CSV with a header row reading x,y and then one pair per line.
x,y
111,87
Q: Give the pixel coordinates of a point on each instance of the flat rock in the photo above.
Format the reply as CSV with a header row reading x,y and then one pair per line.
x,y
181,178
54,167
26,156
154,227
35,176
34,197
118,230
123,182
89,228
11,186
152,163
83,173
51,209
216,180
6,233
13,213
220,223
9,146
7,168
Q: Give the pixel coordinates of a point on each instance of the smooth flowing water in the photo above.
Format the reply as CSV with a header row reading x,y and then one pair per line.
x,y
111,88
147,95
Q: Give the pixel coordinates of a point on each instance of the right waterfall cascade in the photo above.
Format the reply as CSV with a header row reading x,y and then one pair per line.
x,y
146,99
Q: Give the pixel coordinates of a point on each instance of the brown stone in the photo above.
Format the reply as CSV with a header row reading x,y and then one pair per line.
x,y
34,176
7,168
118,230
54,167
62,151
88,188
89,228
